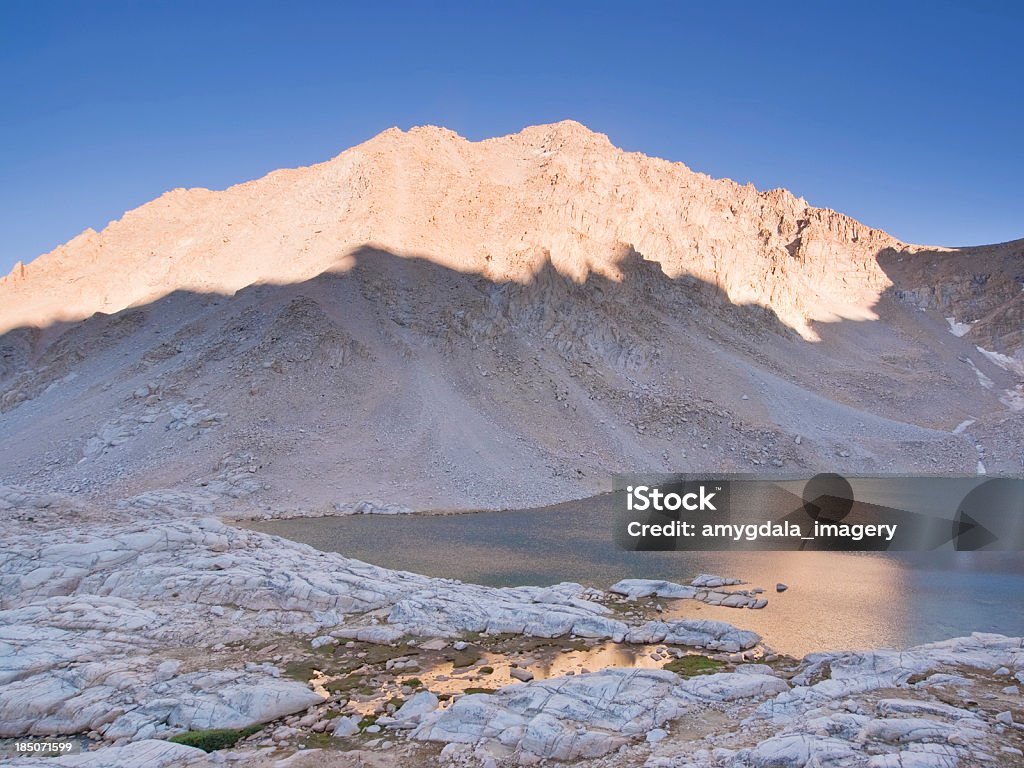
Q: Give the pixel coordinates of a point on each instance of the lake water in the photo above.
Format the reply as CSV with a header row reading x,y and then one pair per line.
x,y
835,601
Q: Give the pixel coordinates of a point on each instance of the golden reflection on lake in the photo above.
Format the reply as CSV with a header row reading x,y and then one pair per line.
x,y
835,601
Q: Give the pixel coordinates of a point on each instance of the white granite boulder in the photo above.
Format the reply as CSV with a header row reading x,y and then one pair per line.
x,y
710,581
73,664
562,718
586,715
698,633
860,672
704,591
411,712
636,588
797,749
536,611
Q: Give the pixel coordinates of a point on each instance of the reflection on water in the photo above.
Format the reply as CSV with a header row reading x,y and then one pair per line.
x,y
835,601
492,670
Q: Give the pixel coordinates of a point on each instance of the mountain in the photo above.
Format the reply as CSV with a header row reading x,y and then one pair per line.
x,y
439,323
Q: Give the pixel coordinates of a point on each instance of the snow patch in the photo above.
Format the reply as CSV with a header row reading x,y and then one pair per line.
x,y
1007,363
984,380
1013,398
962,426
958,329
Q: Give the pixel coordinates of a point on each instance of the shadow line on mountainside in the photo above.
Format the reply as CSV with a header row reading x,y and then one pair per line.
x,y
620,325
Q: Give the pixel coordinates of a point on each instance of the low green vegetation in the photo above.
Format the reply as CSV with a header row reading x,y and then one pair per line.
x,y
349,683
320,741
472,690
688,666
381,654
212,740
302,670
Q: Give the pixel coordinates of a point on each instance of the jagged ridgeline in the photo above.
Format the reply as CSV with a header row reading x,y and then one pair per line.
x,y
501,208
436,322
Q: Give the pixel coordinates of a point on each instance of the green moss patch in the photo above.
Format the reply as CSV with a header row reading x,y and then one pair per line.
x,y
349,683
688,666
381,654
212,740
320,741
302,670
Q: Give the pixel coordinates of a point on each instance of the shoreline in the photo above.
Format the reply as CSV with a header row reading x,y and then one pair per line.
x,y
136,631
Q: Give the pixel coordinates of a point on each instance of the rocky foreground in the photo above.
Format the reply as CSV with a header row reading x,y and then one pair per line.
x,y
122,635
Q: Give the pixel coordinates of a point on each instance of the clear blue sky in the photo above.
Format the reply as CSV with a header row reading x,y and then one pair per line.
x,y
908,116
